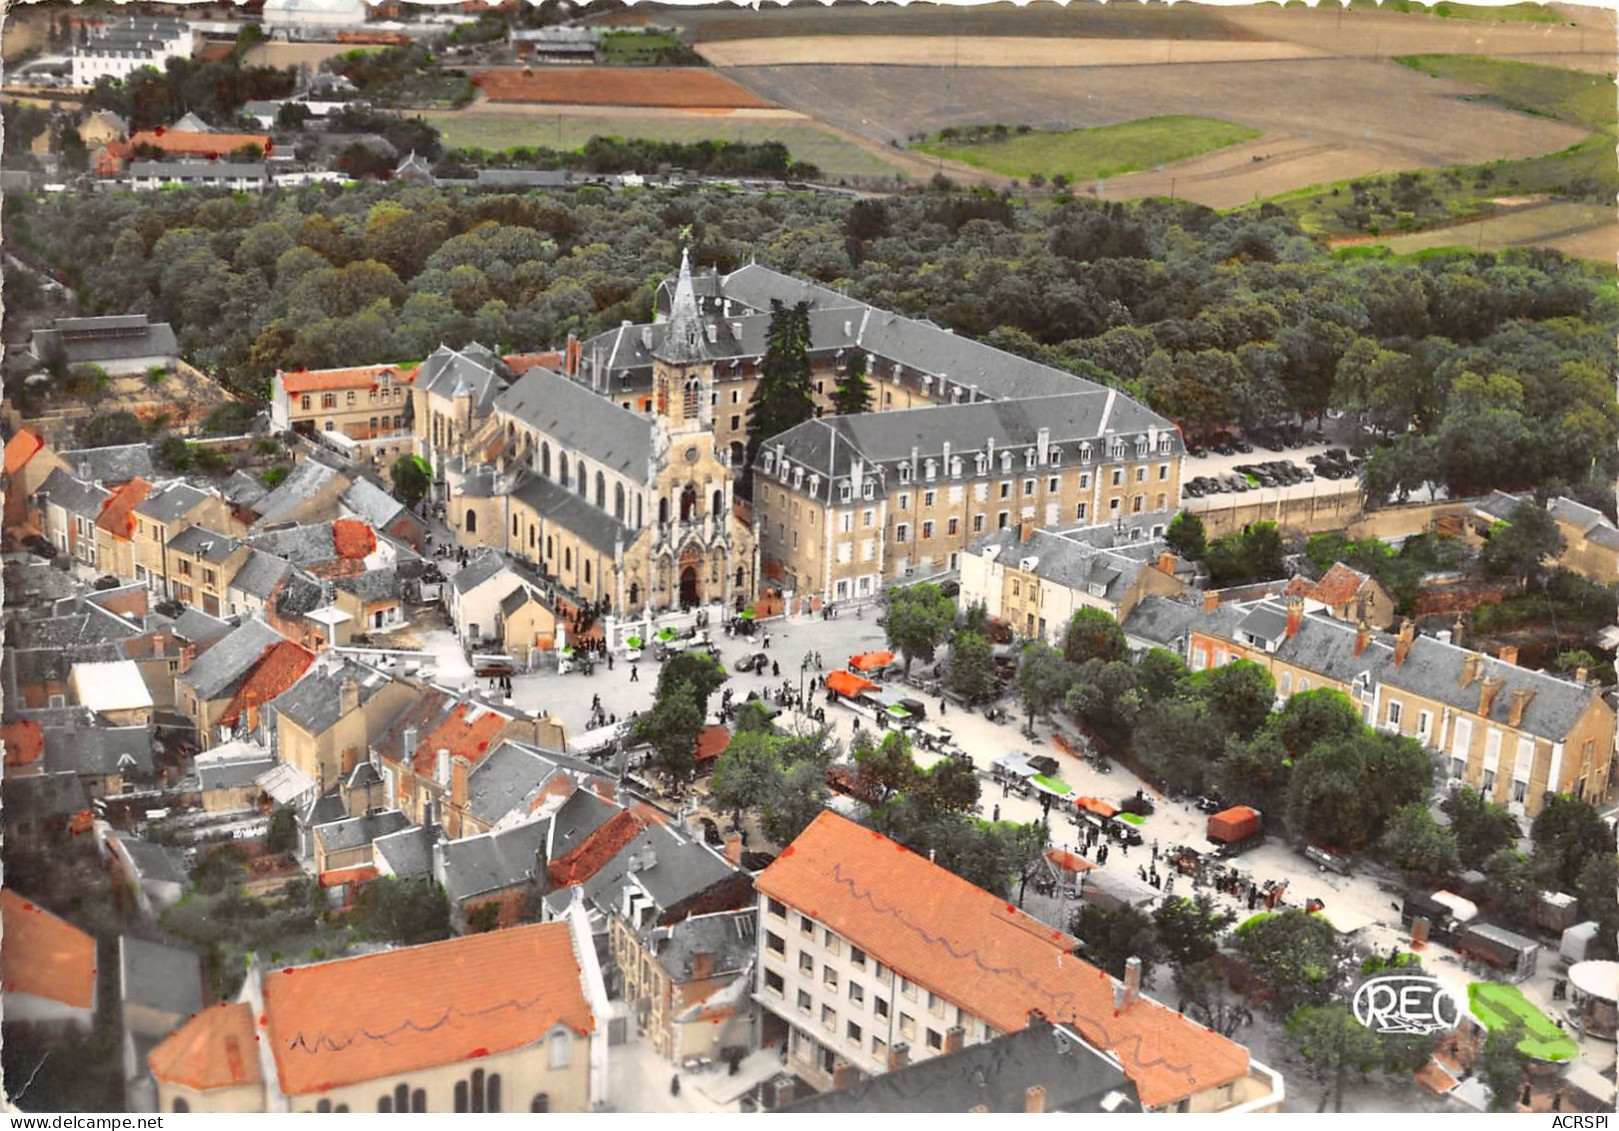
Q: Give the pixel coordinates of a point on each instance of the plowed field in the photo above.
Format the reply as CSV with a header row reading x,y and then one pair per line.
x,y
685,88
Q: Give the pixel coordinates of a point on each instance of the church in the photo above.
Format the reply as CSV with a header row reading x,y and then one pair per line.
x,y
627,508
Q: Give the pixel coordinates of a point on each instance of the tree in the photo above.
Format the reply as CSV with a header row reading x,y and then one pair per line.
x,y
1521,547
1481,829
951,786
1239,695
1186,536
919,616
1334,1045
1297,954
671,727
1254,773
402,911
1253,555
483,918
972,667
784,396
1093,634
1598,889
412,478
1416,843
1343,792
1513,882
1309,717
1180,741
1504,1066
1111,938
698,671
1189,930
109,429
229,419
1206,998
1043,679
283,832
887,767
1567,833
853,395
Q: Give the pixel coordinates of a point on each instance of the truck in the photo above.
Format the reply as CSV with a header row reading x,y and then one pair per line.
x,y
1505,950
1235,830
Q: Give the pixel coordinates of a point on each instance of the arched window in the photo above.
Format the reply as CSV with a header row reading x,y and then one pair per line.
x,y
323,1107
583,481
402,1097
384,1104
477,1089
180,1105
531,536
688,503
472,521
601,490
418,1101
562,468
640,518
567,557
587,571
741,577
618,501
635,593
550,551
719,503
545,459
561,1050
492,1100
460,1095
515,529
663,511
540,1103
693,399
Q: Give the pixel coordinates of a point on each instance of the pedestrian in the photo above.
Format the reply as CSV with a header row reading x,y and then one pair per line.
x,y
775,670
997,815
609,661
941,708
635,674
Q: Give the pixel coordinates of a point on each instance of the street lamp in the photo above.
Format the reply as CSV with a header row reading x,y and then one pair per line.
x,y
804,665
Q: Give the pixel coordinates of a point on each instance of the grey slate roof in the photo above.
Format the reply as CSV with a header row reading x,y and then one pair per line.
x,y
243,490
579,419
516,599
409,852
260,574
372,585
371,503
487,564
495,861
324,809
579,816
523,178
170,501
728,937
1161,621
355,831
305,545
99,751
221,667
118,464
43,796
314,702
291,497
117,337
681,869
74,495
1075,560
207,544
153,863
231,773
571,512
198,627
160,976
199,170
505,778
994,1076
474,367
1265,621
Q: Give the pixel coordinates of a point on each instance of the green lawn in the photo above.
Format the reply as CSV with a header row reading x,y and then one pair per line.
x,y
1507,13
497,132
647,49
1104,151
1496,1004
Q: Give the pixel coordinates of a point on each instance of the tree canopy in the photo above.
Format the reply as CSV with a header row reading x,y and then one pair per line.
x,y
919,617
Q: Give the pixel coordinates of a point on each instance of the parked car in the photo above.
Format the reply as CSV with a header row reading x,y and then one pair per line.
x,y
753,662
950,588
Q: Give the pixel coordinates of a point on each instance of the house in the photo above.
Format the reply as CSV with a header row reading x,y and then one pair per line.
x,y
326,723
1590,538
68,508
493,880
169,145
429,752
368,502
45,648
160,987
501,1021
101,127
1044,1068
688,984
309,494
252,589
118,47
1347,594
152,874
893,960
287,19
229,776
199,566
166,511
114,691
408,853
1036,580
236,176
452,397
1514,734
115,530
413,170
41,810
346,843
478,590
367,405
47,968
121,344
223,690
28,464
516,782
107,760
525,624
113,466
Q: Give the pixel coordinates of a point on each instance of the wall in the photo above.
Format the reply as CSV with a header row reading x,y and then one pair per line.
x,y
1228,514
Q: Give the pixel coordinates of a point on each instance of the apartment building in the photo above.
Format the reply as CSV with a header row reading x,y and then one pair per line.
x,y
368,407
1514,734
845,505
871,958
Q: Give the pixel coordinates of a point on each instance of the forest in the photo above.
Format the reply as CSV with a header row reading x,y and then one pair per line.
x,y
1480,370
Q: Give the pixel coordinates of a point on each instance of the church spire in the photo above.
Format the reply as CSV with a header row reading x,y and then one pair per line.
x,y
683,336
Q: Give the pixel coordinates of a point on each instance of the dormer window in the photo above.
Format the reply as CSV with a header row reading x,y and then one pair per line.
x,y
1163,443
955,467
983,463
770,460
798,477
1118,448
1055,457
870,489
1085,452
783,469
931,469
1006,461
814,485
904,473
1029,458
1141,445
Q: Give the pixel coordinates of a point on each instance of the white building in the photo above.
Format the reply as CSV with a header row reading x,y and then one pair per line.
x,y
148,176
295,18
121,47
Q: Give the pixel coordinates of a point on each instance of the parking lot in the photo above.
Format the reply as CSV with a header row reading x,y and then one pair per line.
x,y
1212,465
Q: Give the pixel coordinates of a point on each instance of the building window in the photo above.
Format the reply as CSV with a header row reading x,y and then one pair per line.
x,y
774,983
879,1006
804,1002
1006,489
1028,488
854,1033
935,1040
304,401
857,993
806,926
927,530
831,941
857,958
902,532
180,1105
806,963
955,526
775,943
935,1004
540,1103
1001,520
561,1050
1395,711
829,976
907,1026
1520,790
1424,724
1141,474
829,1018
1489,783
978,524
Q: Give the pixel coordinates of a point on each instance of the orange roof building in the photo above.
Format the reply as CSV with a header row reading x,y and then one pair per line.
x,y
360,377
282,665
189,143
47,965
21,448
596,850
25,747
216,1049
118,513
987,965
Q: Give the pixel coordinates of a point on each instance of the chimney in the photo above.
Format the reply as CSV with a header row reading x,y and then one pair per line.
x,y
1457,629
954,1038
733,849
1034,1100
1166,563
1509,654
1132,981
410,744
1211,600
348,697
1582,675
702,966
1517,703
899,1056
1295,616
459,769
441,766
783,1092
1472,665
1402,642
1025,531
1363,637
844,1076
1487,691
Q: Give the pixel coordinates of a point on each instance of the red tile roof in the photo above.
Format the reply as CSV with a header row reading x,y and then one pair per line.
x,y
847,684
353,540
21,448
470,740
45,956
987,957
117,512
420,1007
25,742
339,876
281,666
1336,588
190,143
521,363
357,377
217,1048
596,850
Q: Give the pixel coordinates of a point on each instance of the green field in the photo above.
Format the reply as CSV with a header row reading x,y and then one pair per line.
x,y
647,49
1495,1004
496,132
1507,13
1104,151
1412,202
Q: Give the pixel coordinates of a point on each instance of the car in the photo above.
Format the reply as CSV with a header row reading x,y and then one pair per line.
x,y
1272,442
1196,451
1193,490
1242,446
754,662
950,588
1336,453
1225,448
